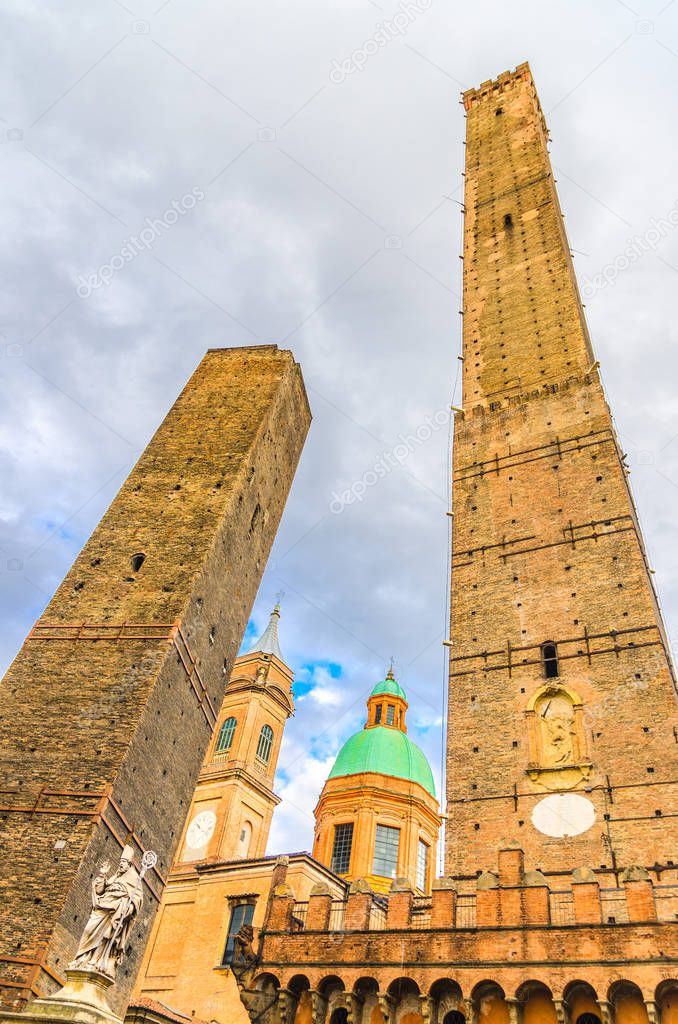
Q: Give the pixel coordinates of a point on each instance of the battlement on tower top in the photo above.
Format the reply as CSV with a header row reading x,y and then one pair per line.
x,y
522,73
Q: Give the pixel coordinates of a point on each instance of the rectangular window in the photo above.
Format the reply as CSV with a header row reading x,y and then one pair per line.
x,y
240,915
422,865
341,849
390,714
377,713
386,851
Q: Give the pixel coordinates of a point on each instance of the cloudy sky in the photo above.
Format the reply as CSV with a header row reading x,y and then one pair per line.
x,y
317,184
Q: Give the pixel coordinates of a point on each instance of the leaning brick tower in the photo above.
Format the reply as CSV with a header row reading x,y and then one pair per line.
x,y
562,730
109,707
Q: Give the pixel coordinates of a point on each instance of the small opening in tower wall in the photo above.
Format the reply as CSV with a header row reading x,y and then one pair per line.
x,y
508,220
137,561
549,653
499,111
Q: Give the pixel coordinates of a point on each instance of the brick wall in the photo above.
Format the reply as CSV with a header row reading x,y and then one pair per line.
x,y
125,722
546,543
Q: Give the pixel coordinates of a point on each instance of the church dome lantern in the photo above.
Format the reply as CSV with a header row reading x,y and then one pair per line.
x,y
378,816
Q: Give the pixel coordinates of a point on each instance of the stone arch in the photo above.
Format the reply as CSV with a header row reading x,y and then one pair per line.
x,y
332,989
447,999
666,998
330,985
628,1002
537,1003
266,982
402,987
454,1017
489,1002
582,1000
298,984
405,993
366,986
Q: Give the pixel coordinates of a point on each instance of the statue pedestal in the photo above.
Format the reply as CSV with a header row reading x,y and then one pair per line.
x,y
82,1000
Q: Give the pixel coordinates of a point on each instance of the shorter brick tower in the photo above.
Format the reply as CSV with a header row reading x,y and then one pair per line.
x,y
231,813
109,707
377,818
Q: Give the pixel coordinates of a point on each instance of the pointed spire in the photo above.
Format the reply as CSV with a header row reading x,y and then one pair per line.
x,y
268,641
389,674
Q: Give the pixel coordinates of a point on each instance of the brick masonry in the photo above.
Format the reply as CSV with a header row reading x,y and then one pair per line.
x,y
546,542
101,738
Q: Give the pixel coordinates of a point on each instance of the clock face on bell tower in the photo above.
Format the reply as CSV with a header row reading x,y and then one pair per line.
x,y
201,830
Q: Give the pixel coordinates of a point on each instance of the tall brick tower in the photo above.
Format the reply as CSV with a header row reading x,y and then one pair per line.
x,y
562,716
108,709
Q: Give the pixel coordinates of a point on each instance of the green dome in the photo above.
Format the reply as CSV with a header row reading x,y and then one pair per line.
x,y
389,686
387,751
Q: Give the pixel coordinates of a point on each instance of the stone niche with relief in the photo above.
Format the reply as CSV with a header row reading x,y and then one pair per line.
x,y
557,738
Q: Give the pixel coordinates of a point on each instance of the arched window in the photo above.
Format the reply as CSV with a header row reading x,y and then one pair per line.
x,y
244,839
265,743
549,653
226,734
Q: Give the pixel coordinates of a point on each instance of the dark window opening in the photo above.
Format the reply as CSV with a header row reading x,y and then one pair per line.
x,y
137,561
265,744
454,1017
588,1018
377,713
340,1016
498,112
549,653
241,915
390,714
341,848
226,734
508,220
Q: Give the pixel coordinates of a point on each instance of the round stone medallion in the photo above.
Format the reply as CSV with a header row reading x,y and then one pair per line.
x,y
563,814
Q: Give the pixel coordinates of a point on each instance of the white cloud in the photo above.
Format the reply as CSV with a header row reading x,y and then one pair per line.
x,y
291,241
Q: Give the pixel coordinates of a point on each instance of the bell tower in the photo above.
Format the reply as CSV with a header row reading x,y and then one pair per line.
x,y
233,804
562,730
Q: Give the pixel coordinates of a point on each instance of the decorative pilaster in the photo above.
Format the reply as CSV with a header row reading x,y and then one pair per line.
x,y
318,1007
425,1008
352,1003
515,1010
471,1012
387,1007
285,1007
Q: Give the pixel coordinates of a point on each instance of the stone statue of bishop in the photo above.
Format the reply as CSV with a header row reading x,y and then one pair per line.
x,y
116,902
